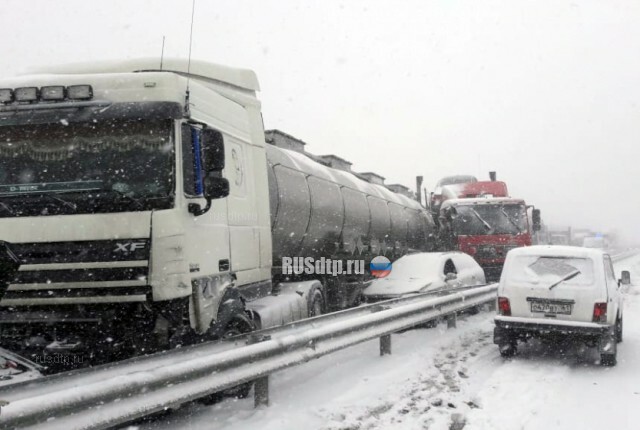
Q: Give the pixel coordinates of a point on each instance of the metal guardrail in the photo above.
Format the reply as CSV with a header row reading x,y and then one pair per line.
x,y
625,254
113,394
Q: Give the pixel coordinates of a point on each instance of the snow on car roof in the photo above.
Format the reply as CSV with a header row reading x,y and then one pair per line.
x,y
558,251
421,263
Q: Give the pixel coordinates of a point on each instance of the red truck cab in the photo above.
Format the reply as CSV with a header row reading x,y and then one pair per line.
x,y
486,229
480,219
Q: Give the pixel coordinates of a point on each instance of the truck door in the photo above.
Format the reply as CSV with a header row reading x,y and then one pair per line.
x,y
242,213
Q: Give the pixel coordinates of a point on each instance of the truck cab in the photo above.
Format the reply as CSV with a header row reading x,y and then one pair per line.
x,y
130,192
485,228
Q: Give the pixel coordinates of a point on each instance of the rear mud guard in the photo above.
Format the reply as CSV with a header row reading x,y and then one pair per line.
x,y
608,343
502,336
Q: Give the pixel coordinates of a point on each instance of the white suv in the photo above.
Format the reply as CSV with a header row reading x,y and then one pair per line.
x,y
548,291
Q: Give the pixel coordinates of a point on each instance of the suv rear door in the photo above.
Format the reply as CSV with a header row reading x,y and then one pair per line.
x,y
533,284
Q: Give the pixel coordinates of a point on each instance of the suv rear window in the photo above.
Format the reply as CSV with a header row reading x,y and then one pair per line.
x,y
534,270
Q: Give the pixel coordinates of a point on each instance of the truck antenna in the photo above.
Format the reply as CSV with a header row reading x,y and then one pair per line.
x,y
193,10
162,53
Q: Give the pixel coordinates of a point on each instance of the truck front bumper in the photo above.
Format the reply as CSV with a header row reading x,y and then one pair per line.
x,y
492,272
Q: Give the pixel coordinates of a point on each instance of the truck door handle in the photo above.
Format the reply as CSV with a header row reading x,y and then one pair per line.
x,y
223,265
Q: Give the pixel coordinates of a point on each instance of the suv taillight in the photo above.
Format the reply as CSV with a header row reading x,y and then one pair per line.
x,y
504,307
600,312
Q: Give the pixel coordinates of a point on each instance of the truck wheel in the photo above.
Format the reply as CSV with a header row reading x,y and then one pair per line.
x,y
608,360
316,304
238,325
619,330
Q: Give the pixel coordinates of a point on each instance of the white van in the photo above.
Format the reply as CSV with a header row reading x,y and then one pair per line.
x,y
548,291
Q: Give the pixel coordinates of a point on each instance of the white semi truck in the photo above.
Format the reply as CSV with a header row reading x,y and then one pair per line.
x,y
146,210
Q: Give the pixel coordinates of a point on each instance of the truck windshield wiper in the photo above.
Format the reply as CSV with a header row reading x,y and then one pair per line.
x,y
64,202
511,220
486,224
123,196
50,196
7,208
566,278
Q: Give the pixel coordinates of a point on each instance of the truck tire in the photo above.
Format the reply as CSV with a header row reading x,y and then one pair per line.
x,y
238,325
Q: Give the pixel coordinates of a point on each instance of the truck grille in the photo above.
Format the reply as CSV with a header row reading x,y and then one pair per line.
x,y
493,251
80,272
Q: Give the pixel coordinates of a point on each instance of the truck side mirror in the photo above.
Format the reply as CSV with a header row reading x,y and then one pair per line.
x,y
215,187
210,145
625,278
213,150
536,219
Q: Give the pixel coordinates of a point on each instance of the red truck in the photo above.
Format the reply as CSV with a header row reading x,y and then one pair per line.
x,y
480,219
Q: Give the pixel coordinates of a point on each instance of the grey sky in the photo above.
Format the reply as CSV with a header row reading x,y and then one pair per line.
x,y
544,92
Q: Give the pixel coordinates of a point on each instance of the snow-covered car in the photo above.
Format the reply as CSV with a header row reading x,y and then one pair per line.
x,y
559,292
14,368
426,271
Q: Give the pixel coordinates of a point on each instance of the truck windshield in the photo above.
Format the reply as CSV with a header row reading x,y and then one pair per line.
x,y
63,168
485,219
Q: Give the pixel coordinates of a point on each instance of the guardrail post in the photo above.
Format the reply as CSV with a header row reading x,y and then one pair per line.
x,y
385,345
261,390
451,320
261,385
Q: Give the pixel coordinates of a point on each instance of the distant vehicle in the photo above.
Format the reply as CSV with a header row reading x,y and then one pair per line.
x,y
14,369
599,242
426,271
560,291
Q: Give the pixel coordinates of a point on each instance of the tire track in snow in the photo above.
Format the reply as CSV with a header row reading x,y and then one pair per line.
x,y
434,399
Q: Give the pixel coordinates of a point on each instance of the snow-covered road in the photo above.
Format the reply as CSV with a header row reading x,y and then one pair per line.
x,y
446,379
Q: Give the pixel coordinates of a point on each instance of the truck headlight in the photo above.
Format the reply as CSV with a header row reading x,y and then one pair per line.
x,y
52,93
26,94
6,95
80,92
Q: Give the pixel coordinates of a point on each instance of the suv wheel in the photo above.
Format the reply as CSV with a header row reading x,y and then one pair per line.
x,y
608,360
619,330
508,349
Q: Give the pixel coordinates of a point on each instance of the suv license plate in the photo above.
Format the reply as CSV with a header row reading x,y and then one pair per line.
x,y
551,308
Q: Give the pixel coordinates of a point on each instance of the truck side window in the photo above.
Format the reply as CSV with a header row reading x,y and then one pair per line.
x,y
188,161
